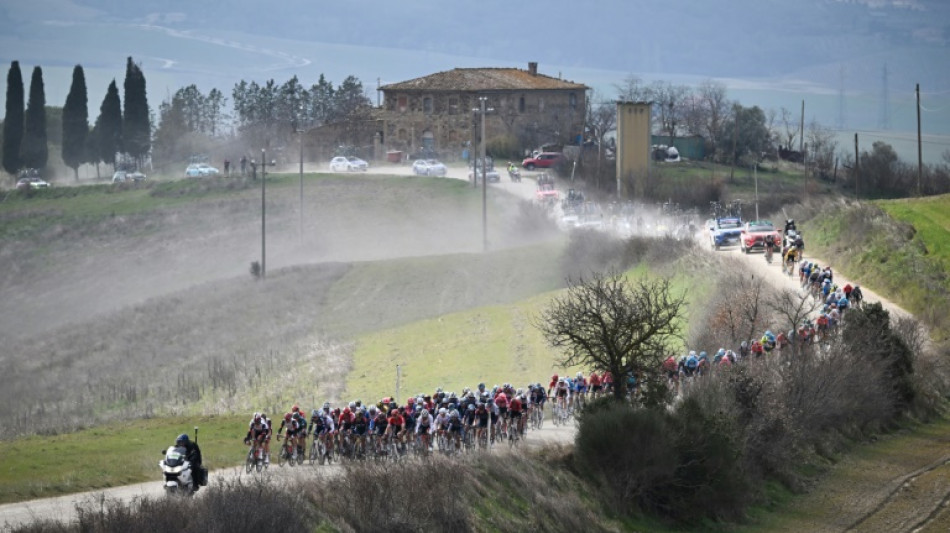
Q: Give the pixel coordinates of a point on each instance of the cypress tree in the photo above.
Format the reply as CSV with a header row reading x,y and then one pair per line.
x,y
136,131
76,122
34,151
13,120
109,126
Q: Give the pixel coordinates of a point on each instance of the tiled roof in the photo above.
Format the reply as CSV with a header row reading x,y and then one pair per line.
x,y
482,79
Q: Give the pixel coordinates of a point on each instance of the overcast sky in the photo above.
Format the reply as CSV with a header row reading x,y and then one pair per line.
x,y
768,52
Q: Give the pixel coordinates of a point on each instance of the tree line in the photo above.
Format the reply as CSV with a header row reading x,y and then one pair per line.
x,y
116,130
264,114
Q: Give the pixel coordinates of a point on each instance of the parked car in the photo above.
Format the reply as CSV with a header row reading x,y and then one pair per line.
x,y
754,233
200,170
31,183
348,164
429,167
725,231
123,176
543,160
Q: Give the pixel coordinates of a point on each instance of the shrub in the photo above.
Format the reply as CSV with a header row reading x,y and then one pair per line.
x,y
628,450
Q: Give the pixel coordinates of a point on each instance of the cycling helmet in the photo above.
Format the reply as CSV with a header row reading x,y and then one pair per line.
x,y
412,401
182,439
721,352
326,405
287,417
295,409
554,377
455,414
372,409
443,410
702,354
580,374
314,412
481,385
692,352
257,417
352,405
358,403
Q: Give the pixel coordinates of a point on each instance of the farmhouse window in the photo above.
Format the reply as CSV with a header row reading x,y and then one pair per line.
x,y
521,105
427,105
453,106
402,103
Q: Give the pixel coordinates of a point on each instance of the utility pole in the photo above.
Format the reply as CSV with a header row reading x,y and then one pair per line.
x,y
801,133
263,213
735,138
920,153
300,138
857,165
483,100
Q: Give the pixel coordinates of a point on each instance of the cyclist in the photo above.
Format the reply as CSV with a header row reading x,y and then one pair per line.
x,y
481,417
259,435
856,296
690,364
379,425
561,393
516,407
593,381
424,429
580,388
608,381
292,430
301,429
360,428
501,404
454,428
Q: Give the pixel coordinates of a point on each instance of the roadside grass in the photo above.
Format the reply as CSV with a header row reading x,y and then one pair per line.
x,y
114,454
898,247
851,486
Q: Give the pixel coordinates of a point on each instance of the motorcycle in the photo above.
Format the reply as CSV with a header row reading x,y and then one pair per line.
x,y
176,470
514,174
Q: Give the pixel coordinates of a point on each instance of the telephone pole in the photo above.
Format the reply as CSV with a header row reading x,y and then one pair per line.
x,y
857,166
920,153
263,213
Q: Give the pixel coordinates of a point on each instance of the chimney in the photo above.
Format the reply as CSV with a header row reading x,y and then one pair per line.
x,y
533,68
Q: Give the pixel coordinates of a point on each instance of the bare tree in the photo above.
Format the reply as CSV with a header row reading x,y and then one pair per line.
x,y
716,105
821,149
791,128
792,307
608,323
668,105
633,90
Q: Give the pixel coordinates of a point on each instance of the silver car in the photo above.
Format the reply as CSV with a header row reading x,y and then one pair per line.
x,y
429,167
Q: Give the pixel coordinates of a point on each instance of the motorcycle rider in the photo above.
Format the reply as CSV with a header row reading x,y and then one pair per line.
x,y
193,455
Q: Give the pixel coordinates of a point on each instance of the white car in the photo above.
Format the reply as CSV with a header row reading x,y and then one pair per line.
x,y
348,164
429,167
200,170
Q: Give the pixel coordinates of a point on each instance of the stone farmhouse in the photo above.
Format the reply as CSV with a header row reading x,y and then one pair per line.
x,y
435,112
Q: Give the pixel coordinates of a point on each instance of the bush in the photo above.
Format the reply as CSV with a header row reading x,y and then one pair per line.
x,y
685,465
628,451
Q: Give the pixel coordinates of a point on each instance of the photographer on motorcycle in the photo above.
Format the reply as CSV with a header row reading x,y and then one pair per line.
x,y
193,455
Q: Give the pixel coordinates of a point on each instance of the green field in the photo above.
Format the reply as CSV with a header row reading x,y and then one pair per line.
x,y
900,248
930,217
110,455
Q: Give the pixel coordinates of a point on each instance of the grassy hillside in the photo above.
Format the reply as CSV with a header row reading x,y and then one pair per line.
x,y
900,248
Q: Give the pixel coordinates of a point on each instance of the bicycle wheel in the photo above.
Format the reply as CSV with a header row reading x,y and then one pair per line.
x,y
321,452
282,456
313,452
249,463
